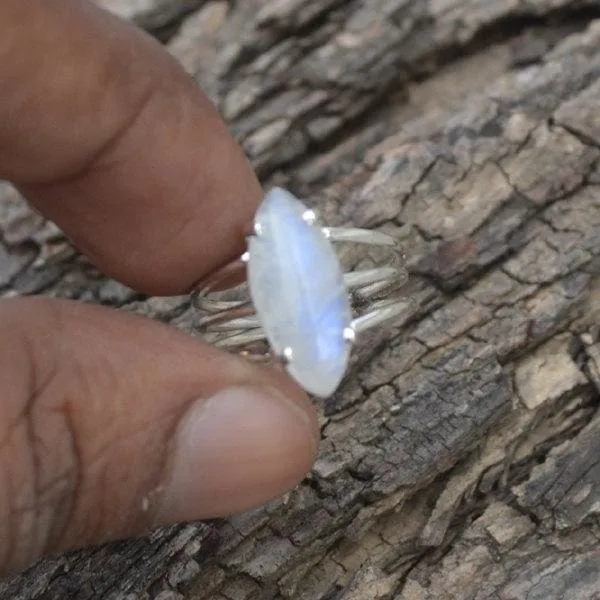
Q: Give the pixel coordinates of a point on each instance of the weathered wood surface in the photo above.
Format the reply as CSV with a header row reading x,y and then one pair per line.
x,y
460,459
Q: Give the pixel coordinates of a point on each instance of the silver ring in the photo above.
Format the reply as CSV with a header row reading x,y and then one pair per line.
x,y
292,298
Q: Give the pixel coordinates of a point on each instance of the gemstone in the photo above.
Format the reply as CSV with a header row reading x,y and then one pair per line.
x,y
297,287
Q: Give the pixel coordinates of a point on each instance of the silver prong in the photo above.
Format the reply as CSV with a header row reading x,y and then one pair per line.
x,y
349,335
361,236
236,325
326,232
359,279
240,340
383,311
287,356
257,228
310,216
245,258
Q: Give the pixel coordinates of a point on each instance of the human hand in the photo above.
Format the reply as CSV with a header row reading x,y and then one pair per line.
x,y
110,423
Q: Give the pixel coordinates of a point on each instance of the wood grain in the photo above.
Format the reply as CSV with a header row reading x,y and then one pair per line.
x,y
460,459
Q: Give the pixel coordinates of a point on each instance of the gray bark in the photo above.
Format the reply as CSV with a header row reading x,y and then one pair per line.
x,y
460,458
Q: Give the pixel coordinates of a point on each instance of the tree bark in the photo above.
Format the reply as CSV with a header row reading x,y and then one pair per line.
x,y
459,461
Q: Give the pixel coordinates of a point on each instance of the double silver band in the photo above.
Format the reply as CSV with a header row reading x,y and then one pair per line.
x,y
233,324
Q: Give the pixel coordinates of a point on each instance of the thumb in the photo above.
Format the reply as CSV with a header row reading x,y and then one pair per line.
x,y
111,423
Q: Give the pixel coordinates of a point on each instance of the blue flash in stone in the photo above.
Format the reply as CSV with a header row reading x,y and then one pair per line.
x,y
297,286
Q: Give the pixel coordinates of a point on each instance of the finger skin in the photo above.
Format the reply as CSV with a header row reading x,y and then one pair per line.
x,y
106,134
110,423
95,423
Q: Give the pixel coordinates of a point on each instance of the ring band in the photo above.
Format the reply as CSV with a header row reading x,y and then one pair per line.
x,y
308,317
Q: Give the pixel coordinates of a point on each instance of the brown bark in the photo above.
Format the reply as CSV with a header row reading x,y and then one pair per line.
x,y
460,459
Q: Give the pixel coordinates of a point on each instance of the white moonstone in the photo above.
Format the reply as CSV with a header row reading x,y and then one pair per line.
x,y
297,286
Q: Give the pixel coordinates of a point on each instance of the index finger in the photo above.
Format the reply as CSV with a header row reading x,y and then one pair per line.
x,y
106,135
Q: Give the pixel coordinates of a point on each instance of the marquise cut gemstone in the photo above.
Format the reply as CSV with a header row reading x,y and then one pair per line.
x,y
297,287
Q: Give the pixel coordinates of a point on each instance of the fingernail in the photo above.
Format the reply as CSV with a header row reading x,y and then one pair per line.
x,y
235,451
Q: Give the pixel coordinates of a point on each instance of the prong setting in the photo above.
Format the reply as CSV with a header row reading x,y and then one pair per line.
x,y
257,229
349,335
310,216
287,356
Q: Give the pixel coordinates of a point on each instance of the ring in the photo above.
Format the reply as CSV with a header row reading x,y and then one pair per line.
x,y
298,303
